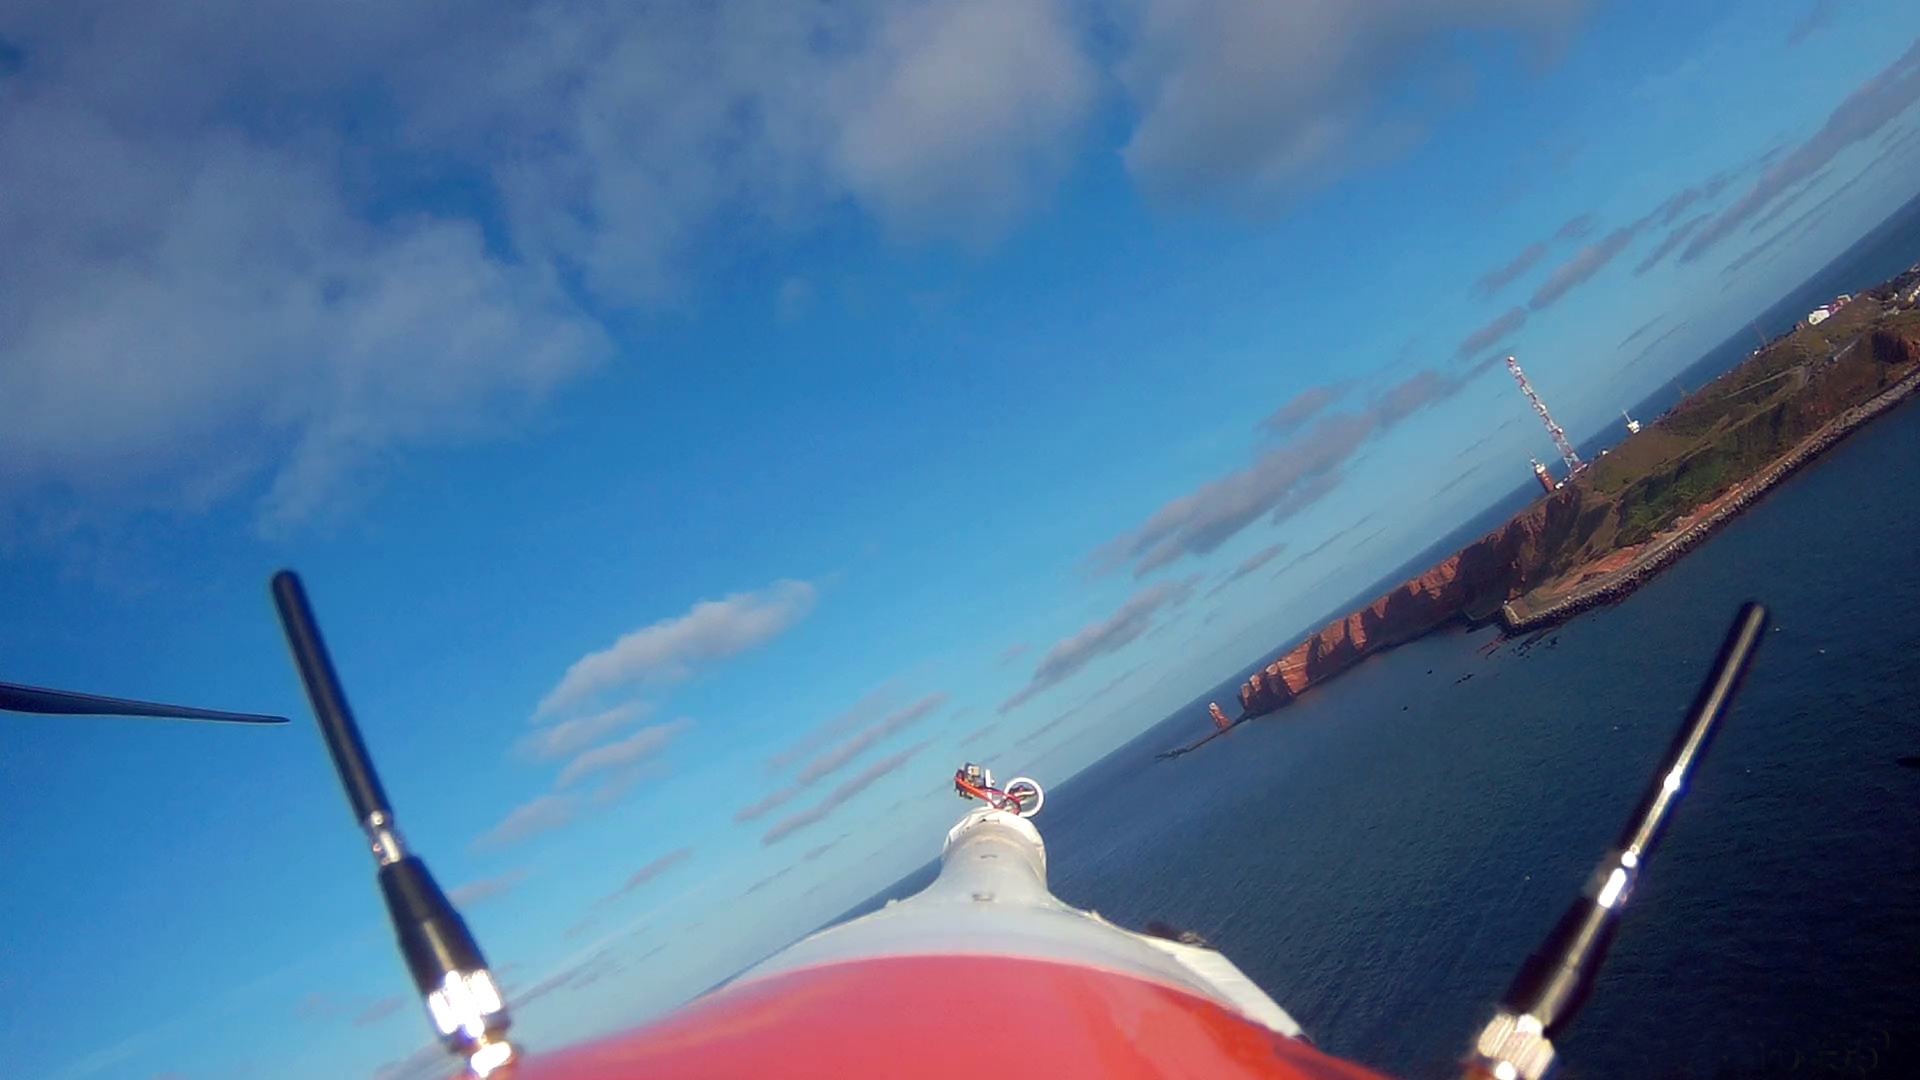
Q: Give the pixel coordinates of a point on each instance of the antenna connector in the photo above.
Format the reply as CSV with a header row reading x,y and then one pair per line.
x,y
1513,1048
460,994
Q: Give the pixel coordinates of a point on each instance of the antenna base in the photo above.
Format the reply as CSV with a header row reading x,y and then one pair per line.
x,y
1513,1048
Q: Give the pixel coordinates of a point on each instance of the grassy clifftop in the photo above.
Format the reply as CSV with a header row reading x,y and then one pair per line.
x,y
1734,427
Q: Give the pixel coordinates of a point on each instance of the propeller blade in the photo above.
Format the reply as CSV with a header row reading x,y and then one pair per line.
x,y
37,699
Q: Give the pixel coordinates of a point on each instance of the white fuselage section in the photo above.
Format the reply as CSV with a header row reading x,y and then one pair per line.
x,y
991,898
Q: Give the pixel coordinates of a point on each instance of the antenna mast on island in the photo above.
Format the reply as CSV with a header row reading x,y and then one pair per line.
x,y
1559,437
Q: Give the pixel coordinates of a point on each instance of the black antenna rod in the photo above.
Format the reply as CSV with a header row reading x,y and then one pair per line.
x,y
448,970
330,708
1554,981
40,700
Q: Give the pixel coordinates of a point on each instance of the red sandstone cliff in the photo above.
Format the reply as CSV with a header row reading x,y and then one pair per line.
x,y
1470,584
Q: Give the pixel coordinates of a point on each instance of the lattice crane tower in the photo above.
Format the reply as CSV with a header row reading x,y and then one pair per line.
x,y
1559,437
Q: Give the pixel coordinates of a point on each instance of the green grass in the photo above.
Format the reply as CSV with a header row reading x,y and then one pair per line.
x,y
1723,433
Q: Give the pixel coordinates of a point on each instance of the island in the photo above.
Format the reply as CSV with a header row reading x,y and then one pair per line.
x,y
1648,500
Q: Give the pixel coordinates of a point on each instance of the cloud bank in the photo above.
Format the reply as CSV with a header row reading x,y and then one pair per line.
x,y
1300,408
544,813
257,251
1585,263
1863,113
1247,566
475,892
646,874
838,757
853,785
230,265
1249,101
1109,635
616,759
1500,277
1501,327
1281,482
670,650
871,706
570,737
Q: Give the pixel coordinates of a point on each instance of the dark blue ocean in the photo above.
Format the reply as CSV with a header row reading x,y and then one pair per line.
x,y
1381,855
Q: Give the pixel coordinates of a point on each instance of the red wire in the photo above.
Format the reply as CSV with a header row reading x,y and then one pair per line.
x,y
990,796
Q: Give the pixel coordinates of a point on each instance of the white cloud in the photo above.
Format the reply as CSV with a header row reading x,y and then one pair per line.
x,y
1247,566
1254,99
1279,483
569,737
474,892
1494,331
255,250
1873,105
774,800
1299,409
1586,262
1501,276
652,870
872,705
961,110
229,267
181,319
619,756
670,650
1097,639
833,760
852,786
838,757
621,132
543,814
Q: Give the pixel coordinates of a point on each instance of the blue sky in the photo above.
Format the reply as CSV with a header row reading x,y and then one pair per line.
x,y
700,429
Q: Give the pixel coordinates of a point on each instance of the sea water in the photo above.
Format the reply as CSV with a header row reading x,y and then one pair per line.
x,y
1382,854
